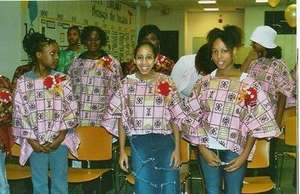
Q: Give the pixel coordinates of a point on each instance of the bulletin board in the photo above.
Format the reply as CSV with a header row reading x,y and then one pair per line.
x,y
116,19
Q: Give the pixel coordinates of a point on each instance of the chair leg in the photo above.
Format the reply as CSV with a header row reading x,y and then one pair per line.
x,y
100,186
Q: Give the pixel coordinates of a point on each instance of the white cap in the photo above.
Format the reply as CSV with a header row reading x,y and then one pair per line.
x,y
265,36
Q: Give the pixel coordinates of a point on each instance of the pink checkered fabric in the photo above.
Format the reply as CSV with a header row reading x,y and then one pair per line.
x,y
40,114
216,103
142,109
92,87
274,76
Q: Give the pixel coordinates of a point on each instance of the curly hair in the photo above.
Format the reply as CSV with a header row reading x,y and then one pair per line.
x,y
231,36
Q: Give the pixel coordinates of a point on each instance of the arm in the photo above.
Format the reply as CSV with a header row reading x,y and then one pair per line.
x,y
280,108
175,160
123,160
241,159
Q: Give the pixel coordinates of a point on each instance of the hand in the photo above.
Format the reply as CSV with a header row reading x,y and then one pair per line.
x,y
123,160
175,160
36,146
236,163
211,158
56,141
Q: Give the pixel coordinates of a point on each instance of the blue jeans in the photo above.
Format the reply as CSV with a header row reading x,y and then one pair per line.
x,y
213,176
57,160
4,188
151,156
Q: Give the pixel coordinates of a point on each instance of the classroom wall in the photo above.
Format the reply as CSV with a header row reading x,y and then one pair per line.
x,y
172,21
118,20
199,24
10,44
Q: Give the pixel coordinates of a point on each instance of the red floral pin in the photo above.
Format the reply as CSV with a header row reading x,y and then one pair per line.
x,y
105,62
161,59
5,105
5,96
248,96
53,83
164,88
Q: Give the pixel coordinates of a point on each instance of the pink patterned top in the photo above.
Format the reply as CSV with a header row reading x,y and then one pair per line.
x,y
40,113
94,81
229,110
144,106
274,76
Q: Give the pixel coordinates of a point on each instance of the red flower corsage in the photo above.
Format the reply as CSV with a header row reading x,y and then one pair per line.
x,y
5,96
105,62
5,105
161,59
53,83
164,88
248,96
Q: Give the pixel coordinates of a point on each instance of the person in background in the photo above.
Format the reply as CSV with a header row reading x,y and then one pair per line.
x,y
225,117
44,117
147,109
67,56
269,69
189,68
95,77
151,33
6,140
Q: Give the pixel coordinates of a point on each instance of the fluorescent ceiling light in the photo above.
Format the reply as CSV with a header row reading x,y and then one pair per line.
x,y
261,1
211,9
206,2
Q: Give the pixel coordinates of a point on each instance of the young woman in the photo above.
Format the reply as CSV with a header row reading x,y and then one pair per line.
x,y
151,33
146,109
269,69
95,77
44,116
5,129
67,56
232,111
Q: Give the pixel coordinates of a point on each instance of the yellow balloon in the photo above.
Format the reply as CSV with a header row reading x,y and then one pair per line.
x,y
273,3
290,15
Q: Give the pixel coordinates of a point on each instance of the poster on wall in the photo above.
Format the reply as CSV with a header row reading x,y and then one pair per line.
x,y
116,19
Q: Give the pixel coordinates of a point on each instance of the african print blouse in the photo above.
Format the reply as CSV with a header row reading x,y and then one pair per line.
x,y
229,110
93,82
274,76
42,108
144,107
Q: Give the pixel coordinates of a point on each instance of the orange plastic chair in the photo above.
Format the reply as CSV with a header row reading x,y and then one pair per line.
x,y
184,174
95,145
16,171
259,184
